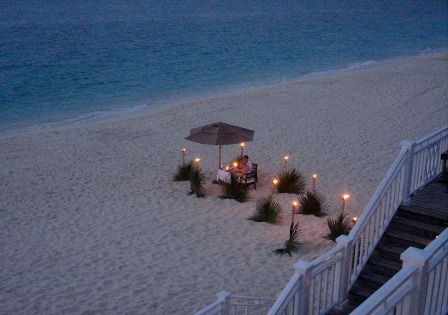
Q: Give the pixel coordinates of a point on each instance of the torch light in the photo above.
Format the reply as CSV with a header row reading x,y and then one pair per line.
x,y
184,151
294,206
344,198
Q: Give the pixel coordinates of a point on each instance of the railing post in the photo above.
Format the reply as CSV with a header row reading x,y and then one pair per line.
x,y
409,145
346,242
416,257
224,297
304,267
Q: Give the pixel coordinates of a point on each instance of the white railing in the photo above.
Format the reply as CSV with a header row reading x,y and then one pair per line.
x,y
417,164
314,288
421,287
318,286
226,304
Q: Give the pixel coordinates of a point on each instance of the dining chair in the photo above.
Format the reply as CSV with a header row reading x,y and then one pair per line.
x,y
248,179
254,170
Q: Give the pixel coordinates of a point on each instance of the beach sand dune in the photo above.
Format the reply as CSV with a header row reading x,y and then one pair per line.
x,y
91,221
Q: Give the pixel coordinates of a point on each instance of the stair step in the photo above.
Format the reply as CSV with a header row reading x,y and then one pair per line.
x,y
362,291
429,212
380,270
407,238
385,264
377,278
385,251
418,225
388,248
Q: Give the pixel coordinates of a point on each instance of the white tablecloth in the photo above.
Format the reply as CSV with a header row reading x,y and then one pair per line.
x,y
223,176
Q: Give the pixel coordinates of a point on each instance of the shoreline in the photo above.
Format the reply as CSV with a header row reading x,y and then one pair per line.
x,y
91,220
143,108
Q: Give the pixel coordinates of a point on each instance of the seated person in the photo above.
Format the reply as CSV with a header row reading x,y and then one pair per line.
x,y
243,169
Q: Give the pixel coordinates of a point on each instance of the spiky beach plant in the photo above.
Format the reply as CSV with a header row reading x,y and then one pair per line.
x,y
197,180
291,181
342,225
234,190
291,244
183,172
267,210
313,203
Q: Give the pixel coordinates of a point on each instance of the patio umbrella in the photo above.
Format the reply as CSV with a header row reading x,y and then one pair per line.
x,y
220,133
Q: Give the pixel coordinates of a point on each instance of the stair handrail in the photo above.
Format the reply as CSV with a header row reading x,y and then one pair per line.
x,y
420,287
417,164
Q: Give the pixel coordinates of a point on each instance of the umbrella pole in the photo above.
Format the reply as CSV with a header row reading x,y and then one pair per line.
x,y
219,157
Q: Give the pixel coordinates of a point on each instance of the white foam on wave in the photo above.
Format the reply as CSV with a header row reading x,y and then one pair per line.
x,y
78,120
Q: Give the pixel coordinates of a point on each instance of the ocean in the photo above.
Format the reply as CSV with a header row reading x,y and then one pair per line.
x,y
69,61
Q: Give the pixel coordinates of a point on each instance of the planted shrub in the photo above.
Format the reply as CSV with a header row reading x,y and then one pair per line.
x,y
291,181
267,210
197,180
234,190
313,203
183,172
291,244
342,225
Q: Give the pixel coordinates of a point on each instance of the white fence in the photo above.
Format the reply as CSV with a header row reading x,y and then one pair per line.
x,y
318,286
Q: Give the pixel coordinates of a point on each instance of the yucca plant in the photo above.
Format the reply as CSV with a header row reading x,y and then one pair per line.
x,y
234,190
291,181
291,244
342,225
267,210
313,203
183,172
197,180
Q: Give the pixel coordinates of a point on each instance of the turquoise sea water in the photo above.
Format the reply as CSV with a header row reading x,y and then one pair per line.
x,y
67,61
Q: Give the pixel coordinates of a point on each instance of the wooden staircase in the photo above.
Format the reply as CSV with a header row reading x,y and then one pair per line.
x,y
415,224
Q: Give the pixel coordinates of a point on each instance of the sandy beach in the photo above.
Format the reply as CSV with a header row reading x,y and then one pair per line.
x,y
92,223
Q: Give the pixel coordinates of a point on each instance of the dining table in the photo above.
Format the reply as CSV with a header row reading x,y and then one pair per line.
x,y
223,176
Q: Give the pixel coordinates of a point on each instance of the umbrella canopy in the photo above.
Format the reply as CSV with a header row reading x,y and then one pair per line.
x,y
220,133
